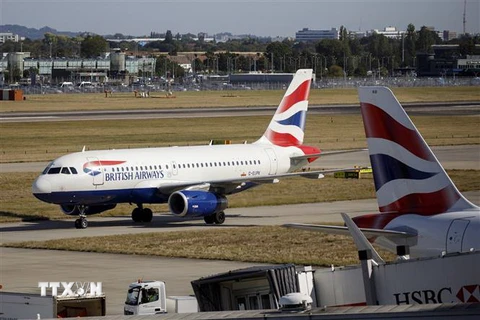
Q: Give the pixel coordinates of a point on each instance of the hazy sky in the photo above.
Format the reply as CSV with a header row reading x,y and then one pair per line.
x,y
260,17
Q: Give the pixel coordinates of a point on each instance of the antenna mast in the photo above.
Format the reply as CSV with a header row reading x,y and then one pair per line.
x,y
464,14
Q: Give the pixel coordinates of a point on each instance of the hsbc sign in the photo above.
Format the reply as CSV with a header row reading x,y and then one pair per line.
x,y
470,293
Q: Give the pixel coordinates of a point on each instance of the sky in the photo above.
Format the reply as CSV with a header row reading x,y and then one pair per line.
x,y
261,17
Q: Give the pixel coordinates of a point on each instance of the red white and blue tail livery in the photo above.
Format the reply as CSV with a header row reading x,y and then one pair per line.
x,y
193,180
419,204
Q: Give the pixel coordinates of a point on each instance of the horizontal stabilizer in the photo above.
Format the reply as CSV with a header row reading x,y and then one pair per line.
x,y
323,154
369,233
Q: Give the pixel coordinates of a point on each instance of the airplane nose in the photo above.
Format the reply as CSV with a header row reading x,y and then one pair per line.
x,y
41,186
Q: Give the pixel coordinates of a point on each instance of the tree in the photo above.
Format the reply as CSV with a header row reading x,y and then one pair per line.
x,y
280,52
335,71
426,38
410,48
466,46
168,37
93,46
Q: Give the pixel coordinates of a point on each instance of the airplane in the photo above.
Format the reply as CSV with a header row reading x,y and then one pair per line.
x,y
193,180
419,205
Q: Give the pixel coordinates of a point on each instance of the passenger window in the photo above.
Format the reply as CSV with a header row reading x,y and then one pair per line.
x,y
155,166
166,166
73,170
65,170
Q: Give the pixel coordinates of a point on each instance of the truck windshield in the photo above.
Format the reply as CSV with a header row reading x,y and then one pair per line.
x,y
132,296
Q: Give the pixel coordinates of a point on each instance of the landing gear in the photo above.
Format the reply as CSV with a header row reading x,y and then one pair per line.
x,y
81,222
141,214
217,218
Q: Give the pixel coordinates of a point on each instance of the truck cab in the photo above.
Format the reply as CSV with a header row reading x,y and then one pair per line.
x,y
145,297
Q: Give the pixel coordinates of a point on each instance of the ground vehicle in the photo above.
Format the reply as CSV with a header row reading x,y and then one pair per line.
x,y
146,297
149,297
32,306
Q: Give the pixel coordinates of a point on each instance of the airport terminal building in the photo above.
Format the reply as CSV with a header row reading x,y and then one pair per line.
x,y
115,65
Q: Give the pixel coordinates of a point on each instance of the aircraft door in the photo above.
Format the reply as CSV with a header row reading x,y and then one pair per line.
x,y
273,161
455,235
174,168
96,171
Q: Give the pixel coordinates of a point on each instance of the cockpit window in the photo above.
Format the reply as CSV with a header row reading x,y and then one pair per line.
x,y
65,170
54,170
47,168
73,170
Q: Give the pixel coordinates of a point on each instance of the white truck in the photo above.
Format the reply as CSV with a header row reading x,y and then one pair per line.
x,y
149,297
15,305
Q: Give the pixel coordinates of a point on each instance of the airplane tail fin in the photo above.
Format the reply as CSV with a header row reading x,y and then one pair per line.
x,y
408,177
287,125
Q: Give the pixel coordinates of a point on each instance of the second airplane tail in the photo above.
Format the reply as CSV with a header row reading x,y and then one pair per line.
x,y
287,125
408,177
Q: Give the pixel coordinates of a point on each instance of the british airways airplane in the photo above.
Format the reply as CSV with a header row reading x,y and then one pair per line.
x,y
419,204
193,180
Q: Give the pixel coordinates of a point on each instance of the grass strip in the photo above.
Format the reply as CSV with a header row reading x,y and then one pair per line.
x,y
269,244
205,99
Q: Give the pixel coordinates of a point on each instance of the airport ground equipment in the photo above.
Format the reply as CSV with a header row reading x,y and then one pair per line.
x,y
15,305
149,297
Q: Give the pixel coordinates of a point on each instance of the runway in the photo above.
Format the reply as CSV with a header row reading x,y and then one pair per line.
x,y
454,108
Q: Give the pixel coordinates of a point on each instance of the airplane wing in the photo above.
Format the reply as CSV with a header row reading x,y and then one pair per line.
x,y
369,233
229,186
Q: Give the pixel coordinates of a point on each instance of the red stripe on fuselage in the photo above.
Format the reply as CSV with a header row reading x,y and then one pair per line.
x,y
104,163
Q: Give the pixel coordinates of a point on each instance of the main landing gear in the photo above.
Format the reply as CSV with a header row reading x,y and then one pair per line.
x,y
142,214
81,222
217,218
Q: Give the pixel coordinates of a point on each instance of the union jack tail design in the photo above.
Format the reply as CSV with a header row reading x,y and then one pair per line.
x,y
287,126
408,177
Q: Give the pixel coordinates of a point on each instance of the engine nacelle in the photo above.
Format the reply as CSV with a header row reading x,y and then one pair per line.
x,y
196,203
73,210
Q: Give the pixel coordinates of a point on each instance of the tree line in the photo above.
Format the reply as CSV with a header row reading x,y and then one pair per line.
x,y
346,56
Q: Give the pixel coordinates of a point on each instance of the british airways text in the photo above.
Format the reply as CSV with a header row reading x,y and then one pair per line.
x,y
139,175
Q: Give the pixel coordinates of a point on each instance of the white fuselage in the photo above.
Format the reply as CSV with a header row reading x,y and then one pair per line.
x,y
114,176
456,231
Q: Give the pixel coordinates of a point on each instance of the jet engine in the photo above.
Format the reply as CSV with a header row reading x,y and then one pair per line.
x,y
74,210
196,203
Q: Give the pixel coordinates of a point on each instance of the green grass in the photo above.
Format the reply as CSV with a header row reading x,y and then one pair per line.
x,y
38,141
251,98
271,244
